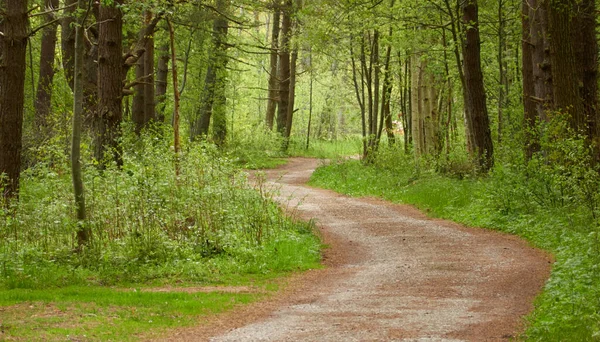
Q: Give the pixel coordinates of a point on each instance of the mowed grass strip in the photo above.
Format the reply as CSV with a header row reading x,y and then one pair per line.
x,y
106,314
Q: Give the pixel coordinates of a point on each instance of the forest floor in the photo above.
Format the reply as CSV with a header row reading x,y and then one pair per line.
x,y
391,274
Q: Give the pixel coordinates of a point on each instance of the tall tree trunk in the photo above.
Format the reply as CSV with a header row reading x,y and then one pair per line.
x,y
144,100
477,109
13,48
67,41
292,99
162,74
273,90
110,83
564,68
149,98
176,139
586,55
213,97
43,98
138,104
541,63
83,232
529,104
455,29
284,66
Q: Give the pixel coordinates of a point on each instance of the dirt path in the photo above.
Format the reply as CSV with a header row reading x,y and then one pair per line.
x,y
392,275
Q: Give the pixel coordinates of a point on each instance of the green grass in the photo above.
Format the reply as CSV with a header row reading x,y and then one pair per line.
x,y
509,201
105,314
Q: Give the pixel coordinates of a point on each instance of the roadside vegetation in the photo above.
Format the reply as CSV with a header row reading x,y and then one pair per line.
x,y
149,228
553,205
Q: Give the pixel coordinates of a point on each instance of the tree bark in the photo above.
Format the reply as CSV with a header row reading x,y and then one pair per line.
x,y
161,82
83,232
529,105
138,104
176,139
43,98
273,90
284,66
541,63
13,48
564,68
110,84
477,109
586,55
149,98
213,98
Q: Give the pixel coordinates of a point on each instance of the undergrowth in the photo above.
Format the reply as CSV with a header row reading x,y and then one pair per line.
x,y
552,201
205,225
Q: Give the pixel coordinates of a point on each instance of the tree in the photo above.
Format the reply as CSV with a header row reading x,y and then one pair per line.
x,y
83,232
43,99
273,60
213,96
13,48
477,115
108,119
284,66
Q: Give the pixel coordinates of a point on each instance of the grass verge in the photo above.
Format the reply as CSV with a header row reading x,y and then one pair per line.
x,y
507,200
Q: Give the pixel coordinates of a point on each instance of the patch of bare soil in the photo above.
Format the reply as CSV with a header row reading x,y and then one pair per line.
x,y
392,275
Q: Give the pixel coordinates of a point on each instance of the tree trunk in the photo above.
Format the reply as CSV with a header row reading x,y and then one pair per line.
x,y
138,104
586,55
162,74
564,68
292,99
529,104
83,232
176,139
477,109
273,90
542,67
110,84
13,48
67,41
149,99
43,98
284,66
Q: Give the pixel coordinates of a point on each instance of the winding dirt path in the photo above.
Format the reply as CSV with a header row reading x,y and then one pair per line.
x,y
392,275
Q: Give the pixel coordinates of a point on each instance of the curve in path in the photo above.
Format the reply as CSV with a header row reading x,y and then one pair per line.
x,y
393,275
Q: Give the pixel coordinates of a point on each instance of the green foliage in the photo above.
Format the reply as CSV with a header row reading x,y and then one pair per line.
x,y
103,314
208,224
552,201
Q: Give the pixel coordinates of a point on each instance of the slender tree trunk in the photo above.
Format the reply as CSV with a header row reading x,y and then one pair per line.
x,y
138,104
529,104
149,98
541,63
220,102
273,82
477,109
162,74
43,98
310,99
455,29
67,40
284,66
13,50
292,99
110,84
214,82
176,139
83,232
359,92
